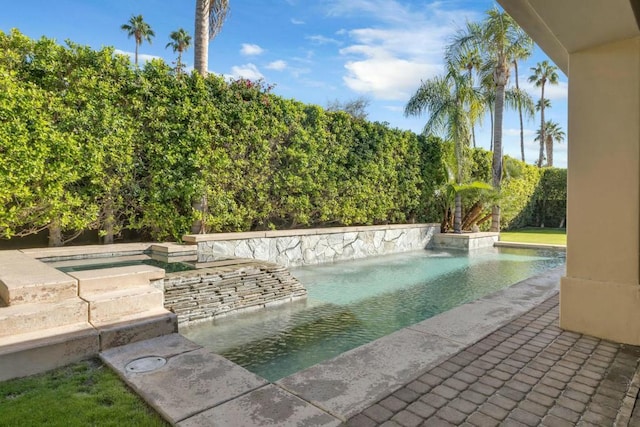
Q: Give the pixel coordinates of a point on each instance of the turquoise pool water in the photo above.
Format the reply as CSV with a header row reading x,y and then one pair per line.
x,y
355,302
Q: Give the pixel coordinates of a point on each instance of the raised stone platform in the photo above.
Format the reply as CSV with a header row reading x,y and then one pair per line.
x,y
49,318
317,245
464,241
24,280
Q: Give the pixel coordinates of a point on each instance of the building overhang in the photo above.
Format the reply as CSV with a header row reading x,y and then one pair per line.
x,y
561,27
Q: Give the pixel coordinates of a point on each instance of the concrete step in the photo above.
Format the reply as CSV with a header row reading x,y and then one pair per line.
x,y
23,318
24,280
35,352
111,306
91,282
136,327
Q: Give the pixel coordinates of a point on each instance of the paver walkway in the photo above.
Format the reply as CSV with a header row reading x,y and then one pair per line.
x,y
527,373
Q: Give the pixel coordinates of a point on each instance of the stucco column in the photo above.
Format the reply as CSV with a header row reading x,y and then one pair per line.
x,y
600,294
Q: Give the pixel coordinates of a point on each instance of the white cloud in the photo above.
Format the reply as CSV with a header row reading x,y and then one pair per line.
x,y
295,21
320,40
278,65
246,71
384,76
251,49
142,58
386,10
388,61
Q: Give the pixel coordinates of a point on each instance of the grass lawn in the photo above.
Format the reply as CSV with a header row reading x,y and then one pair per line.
x,y
550,236
82,394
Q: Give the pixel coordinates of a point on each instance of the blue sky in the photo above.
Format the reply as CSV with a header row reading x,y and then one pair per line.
x,y
315,51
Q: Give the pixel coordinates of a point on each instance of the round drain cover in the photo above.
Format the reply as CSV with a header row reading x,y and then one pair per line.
x,y
145,364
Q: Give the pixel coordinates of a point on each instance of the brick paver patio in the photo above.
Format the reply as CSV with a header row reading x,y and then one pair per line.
x,y
528,373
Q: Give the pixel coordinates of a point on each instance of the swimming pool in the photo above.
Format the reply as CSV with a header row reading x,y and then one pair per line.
x,y
355,302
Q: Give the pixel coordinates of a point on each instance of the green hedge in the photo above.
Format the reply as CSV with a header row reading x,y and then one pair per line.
x,y
547,203
89,142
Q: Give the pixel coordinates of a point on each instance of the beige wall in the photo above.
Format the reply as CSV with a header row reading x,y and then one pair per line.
x,y
601,294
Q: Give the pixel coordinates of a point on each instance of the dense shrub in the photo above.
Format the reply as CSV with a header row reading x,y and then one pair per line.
x,y
547,204
88,142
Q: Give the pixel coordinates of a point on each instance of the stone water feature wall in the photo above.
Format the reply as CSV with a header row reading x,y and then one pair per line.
x,y
209,292
315,246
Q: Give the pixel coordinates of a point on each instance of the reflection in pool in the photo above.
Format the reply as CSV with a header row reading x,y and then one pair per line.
x,y
355,302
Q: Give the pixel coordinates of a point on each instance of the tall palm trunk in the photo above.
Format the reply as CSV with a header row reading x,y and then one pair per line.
x,y
473,134
500,76
515,68
457,218
201,63
542,129
201,37
492,127
549,144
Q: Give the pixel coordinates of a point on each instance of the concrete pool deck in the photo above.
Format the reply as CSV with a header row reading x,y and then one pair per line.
x,y
500,359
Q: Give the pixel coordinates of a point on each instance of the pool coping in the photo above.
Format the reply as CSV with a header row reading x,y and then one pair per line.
x,y
330,392
503,244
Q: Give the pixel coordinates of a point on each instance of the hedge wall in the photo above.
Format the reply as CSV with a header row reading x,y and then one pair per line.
x,y
88,142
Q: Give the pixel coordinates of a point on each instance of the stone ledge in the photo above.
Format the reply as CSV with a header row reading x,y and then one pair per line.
x,y
25,280
529,245
197,238
137,327
465,241
89,251
48,349
91,282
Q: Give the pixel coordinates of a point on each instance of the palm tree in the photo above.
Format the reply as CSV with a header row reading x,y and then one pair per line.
x,y
210,16
514,98
519,56
523,55
552,133
180,41
543,73
500,40
448,99
140,30
470,61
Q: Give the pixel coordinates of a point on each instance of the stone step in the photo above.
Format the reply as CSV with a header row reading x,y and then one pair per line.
x,y
136,327
112,306
24,318
91,282
24,280
45,349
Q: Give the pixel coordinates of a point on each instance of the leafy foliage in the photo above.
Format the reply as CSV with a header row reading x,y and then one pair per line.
x,y
88,142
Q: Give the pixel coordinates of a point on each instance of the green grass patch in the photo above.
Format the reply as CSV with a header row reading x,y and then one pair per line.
x,y
549,236
82,394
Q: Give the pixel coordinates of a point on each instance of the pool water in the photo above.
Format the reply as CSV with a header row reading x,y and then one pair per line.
x,y
355,302
169,267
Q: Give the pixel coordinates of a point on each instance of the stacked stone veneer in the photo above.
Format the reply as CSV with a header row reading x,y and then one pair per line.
x,y
302,247
209,292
